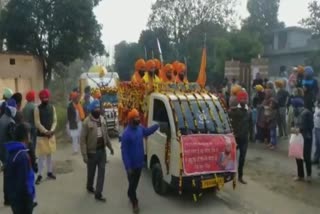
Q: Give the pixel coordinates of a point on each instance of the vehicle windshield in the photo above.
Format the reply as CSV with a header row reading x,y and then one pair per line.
x,y
202,116
109,98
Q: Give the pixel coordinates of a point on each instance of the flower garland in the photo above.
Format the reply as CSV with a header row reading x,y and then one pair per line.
x,y
218,110
196,125
210,110
196,96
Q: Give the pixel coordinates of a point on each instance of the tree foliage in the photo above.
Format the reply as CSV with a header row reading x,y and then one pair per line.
x,y
178,17
263,18
313,21
56,31
125,57
148,41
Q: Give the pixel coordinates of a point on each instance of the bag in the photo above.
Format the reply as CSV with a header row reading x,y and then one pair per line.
x,y
296,146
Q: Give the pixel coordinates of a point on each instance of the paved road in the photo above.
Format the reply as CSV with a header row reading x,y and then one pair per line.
x,y
67,195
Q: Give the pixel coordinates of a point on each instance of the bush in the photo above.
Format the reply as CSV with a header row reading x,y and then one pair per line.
x,y
61,111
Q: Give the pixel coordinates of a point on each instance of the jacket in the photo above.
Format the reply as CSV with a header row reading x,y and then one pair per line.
x,y
28,113
240,119
7,127
132,147
304,122
88,137
72,116
19,171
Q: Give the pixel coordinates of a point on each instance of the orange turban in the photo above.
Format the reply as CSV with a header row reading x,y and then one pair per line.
x,y
175,65
158,63
181,68
300,69
140,65
133,114
150,65
168,68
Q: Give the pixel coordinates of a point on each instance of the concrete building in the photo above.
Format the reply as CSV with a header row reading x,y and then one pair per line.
x,y
20,72
291,47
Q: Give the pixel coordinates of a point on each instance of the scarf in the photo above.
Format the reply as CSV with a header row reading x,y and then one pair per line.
x,y
80,110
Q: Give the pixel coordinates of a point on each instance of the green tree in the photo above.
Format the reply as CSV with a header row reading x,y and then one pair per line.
x,y
148,40
314,61
56,31
263,18
178,17
313,21
125,57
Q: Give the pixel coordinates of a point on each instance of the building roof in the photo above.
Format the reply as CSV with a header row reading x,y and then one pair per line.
x,y
21,53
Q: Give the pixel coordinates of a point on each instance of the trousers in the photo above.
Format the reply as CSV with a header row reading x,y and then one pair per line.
x,y
97,160
307,149
133,178
22,206
282,122
317,142
48,159
242,147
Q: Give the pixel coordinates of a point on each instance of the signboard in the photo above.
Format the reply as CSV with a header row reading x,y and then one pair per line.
x,y
205,154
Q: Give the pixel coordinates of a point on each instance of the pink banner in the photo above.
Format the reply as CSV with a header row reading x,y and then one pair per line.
x,y
206,153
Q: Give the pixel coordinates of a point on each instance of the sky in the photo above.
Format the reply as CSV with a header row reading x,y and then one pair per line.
x,y
125,19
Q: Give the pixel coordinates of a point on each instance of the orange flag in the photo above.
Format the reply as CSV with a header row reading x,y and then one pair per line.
x,y
202,78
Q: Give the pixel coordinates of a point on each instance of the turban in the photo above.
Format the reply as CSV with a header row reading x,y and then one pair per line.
x,y
133,114
12,106
44,95
140,65
168,68
94,105
242,96
297,102
259,88
279,83
300,69
7,93
181,68
31,96
235,89
308,71
150,65
157,63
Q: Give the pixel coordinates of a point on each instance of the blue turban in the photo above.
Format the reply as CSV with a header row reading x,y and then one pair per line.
x,y
308,71
93,105
297,102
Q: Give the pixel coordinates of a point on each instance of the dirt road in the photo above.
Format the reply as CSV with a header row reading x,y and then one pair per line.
x,y
270,190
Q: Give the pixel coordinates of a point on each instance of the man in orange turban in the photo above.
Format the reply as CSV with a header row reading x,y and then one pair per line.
x,y
150,76
181,69
175,66
132,149
167,75
140,68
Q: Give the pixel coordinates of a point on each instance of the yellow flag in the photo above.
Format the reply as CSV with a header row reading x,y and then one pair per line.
x,y
202,78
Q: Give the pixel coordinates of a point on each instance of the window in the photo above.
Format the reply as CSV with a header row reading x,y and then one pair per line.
x,y
160,115
12,61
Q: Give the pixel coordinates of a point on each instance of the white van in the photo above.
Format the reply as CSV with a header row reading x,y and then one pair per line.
x,y
194,149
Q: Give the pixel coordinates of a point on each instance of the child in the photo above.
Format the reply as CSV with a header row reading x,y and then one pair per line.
x,y
20,174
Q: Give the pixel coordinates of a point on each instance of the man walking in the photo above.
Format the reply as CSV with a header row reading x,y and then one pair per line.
x,y
7,128
45,118
133,153
21,189
75,117
93,141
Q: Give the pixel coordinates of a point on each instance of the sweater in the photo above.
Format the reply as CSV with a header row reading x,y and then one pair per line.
x,y
132,145
19,171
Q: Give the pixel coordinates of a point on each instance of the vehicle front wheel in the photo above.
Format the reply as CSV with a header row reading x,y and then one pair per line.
x,y
159,185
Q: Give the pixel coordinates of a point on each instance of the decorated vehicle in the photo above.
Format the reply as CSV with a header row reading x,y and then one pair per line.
x,y
105,85
194,149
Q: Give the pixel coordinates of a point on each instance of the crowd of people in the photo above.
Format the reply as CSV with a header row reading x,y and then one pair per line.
x,y
275,110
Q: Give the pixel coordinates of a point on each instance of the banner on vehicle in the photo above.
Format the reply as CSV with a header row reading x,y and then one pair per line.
x,y
205,153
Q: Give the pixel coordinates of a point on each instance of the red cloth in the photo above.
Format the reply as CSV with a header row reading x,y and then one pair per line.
x,y
242,96
31,96
44,95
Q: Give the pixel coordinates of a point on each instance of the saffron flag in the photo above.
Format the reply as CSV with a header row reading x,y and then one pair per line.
x,y
202,78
